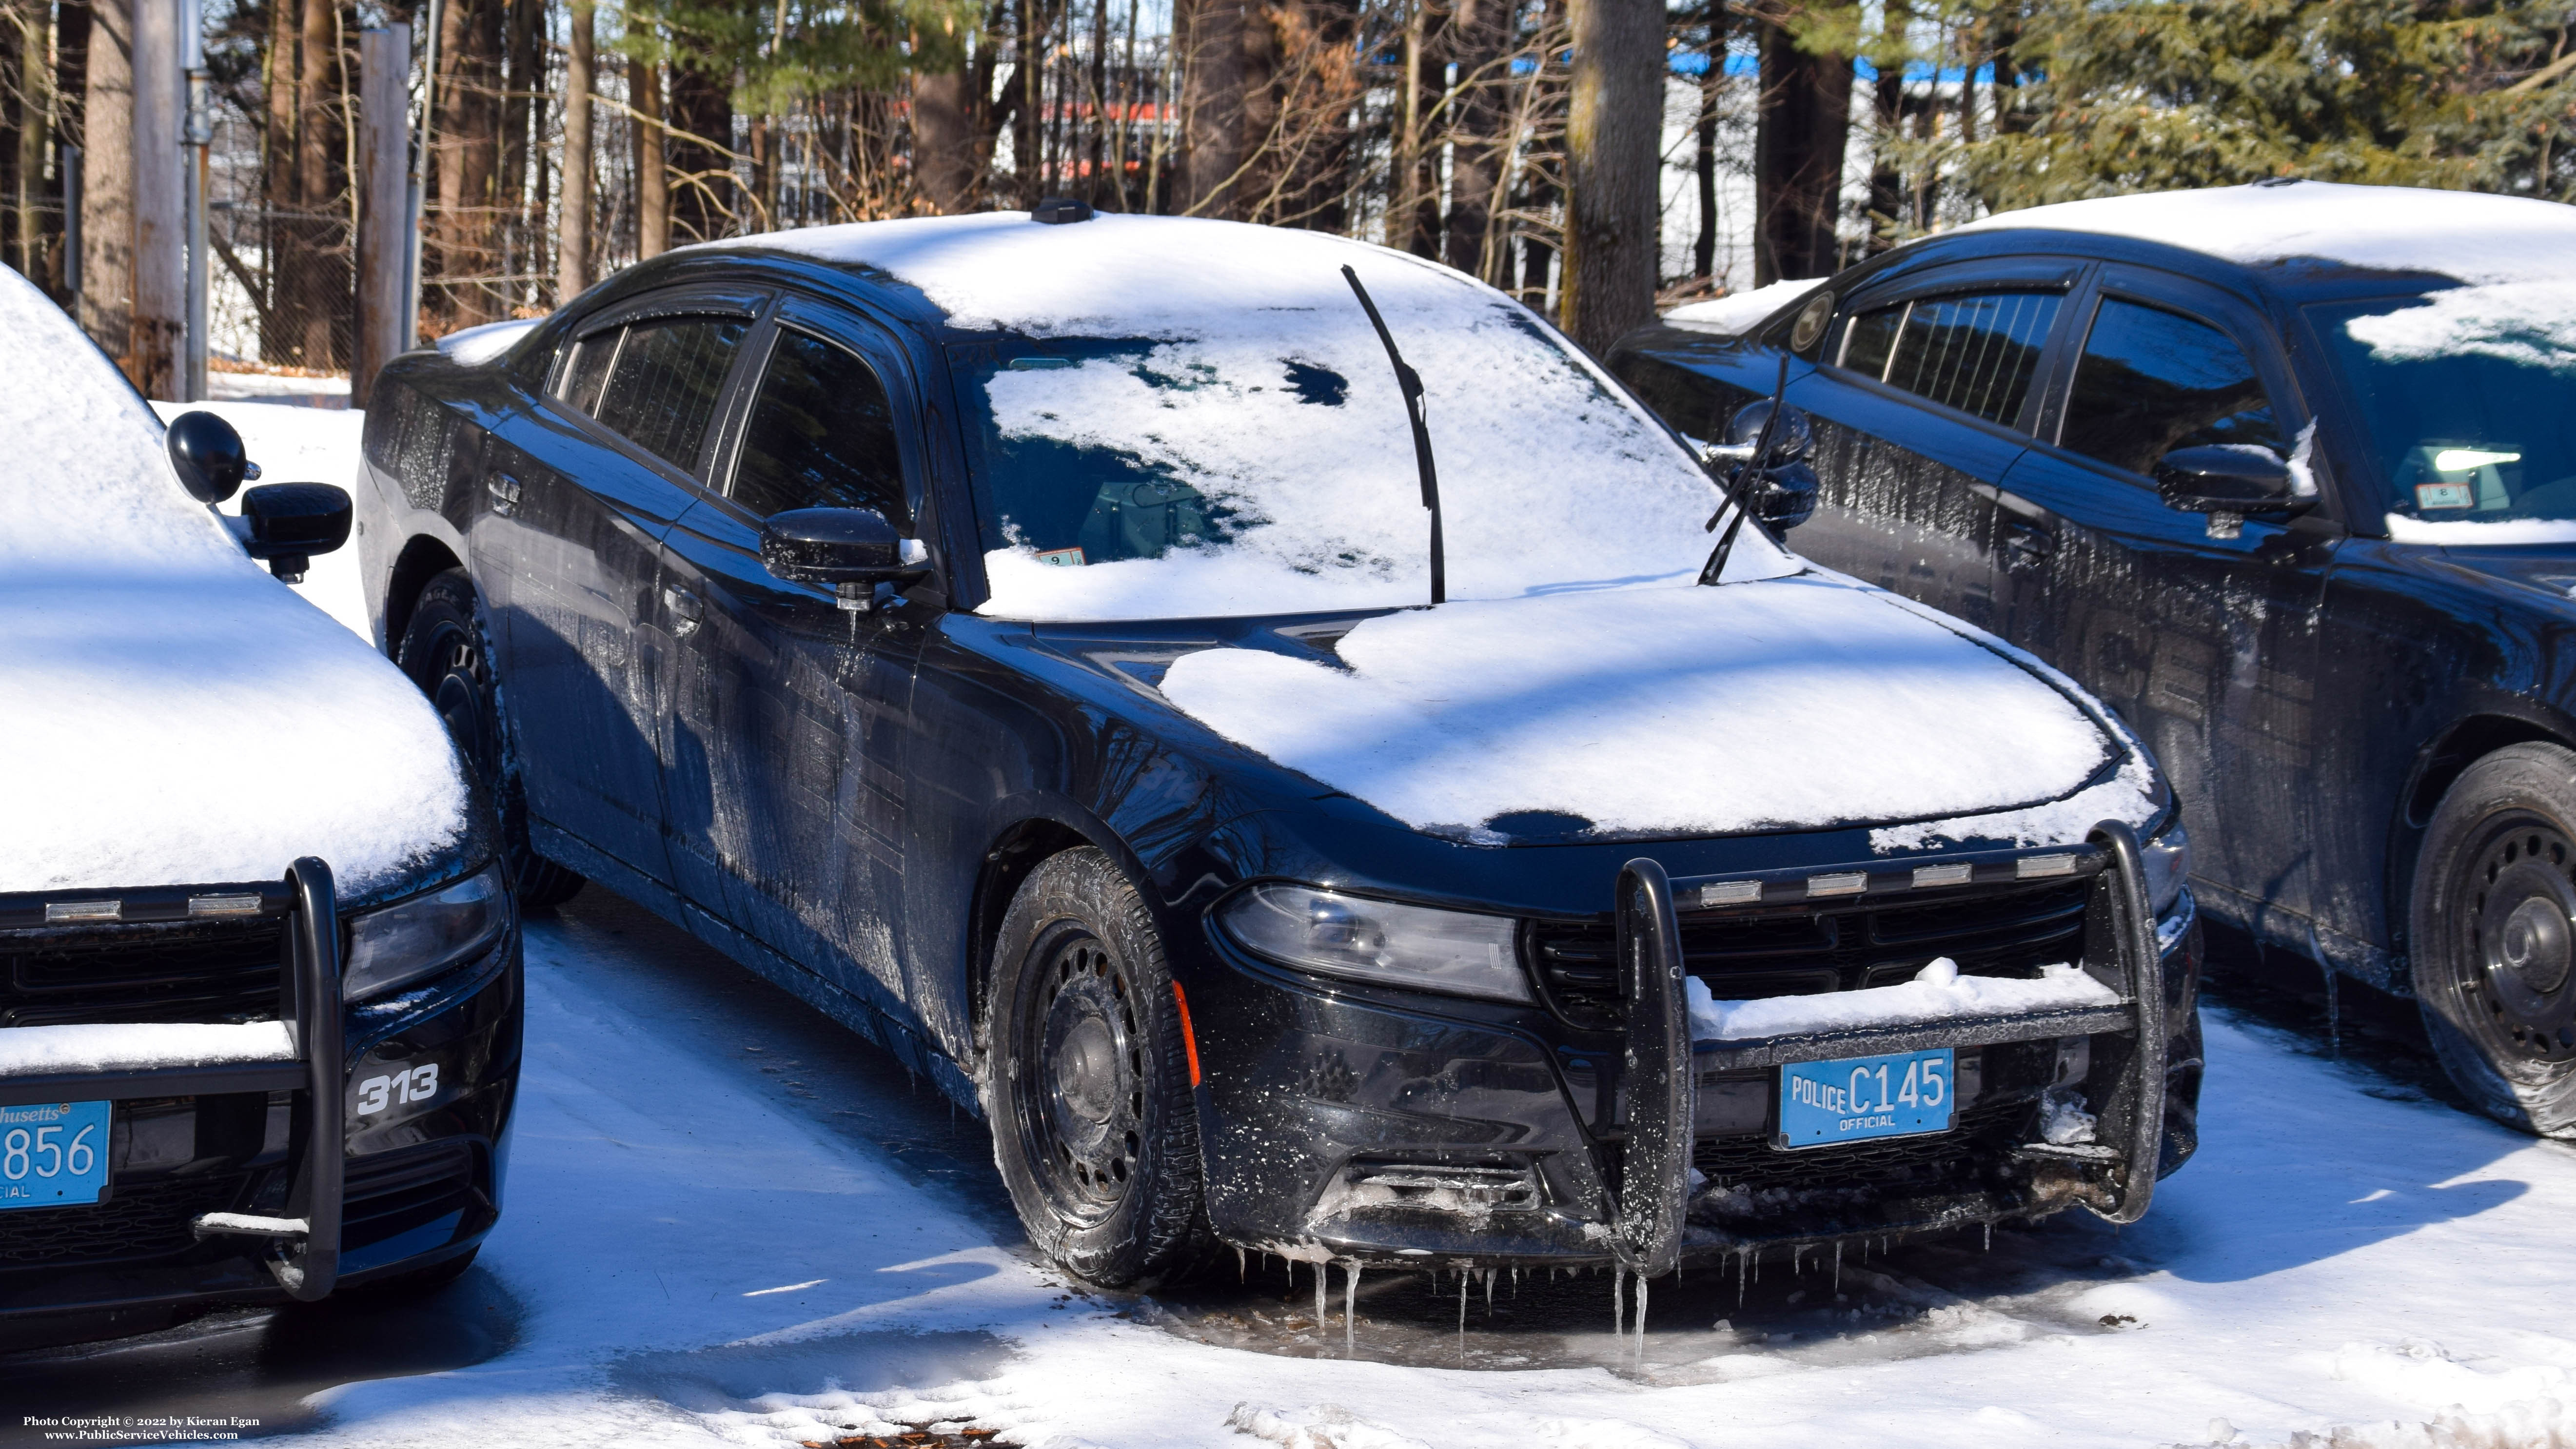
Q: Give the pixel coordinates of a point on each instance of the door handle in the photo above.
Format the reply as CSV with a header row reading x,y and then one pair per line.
x,y
504,490
685,609
2028,545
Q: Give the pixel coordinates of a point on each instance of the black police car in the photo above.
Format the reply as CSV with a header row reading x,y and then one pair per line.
x,y
2286,474
259,980
1061,649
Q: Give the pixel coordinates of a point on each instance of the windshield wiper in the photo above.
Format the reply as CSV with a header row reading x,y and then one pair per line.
x,y
1410,383
1737,489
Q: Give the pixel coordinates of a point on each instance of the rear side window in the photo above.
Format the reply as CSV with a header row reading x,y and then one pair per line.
x,y
2152,381
1977,353
821,435
656,382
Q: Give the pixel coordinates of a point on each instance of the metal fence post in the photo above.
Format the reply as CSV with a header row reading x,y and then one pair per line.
x,y
384,212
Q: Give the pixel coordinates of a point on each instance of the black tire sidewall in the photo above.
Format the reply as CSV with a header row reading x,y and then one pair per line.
x,y
2538,779
1158,1230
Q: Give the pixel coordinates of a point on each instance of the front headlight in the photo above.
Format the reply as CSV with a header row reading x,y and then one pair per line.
x,y
2167,859
1339,935
425,935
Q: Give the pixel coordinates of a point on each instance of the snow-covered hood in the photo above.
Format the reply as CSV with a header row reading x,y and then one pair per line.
x,y
171,714
1788,703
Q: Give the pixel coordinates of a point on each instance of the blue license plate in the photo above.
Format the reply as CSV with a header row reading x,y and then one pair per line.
x,y
52,1154
1902,1094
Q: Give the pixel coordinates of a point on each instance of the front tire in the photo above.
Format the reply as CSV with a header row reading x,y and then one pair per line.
x,y
1087,1079
2494,936
447,652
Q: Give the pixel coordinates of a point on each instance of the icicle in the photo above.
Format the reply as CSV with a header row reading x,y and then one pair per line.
x,y
1641,1317
1322,1270
1489,1292
1350,1306
1757,1265
1242,1270
1739,1277
1990,1237
1798,1261
1838,1267
1462,1313
1618,1301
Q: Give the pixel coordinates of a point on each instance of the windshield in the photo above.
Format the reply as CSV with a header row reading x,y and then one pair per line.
x,y
1257,458
2469,397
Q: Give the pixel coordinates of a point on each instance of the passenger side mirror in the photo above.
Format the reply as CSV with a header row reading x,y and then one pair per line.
x,y
2227,481
206,452
289,522
849,550
1784,488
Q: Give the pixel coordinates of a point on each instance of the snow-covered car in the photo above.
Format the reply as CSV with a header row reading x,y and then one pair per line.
x,y
1025,638
259,978
2284,473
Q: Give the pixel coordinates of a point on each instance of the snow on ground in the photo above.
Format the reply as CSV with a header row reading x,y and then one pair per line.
x,y
1671,709
705,1250
302,445
309,392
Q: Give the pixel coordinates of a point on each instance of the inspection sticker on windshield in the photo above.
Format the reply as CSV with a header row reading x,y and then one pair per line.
x,y
2444,495
52,1154
1857,1098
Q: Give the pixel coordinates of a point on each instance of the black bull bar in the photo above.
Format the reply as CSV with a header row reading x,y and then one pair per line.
x,y
306,1258
1663,1065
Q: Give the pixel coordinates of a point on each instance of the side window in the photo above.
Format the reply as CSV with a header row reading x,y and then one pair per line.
x,y
821,436
2152,381
656,382
1977,354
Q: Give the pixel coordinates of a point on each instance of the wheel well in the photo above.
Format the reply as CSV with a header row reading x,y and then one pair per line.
x,y
1013,855
422,559
2468,742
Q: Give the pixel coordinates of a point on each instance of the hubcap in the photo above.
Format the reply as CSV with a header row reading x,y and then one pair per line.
x,y
1082,1118
2519,917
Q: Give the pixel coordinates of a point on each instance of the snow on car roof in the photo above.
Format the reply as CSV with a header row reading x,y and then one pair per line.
x,y
173,715
1551,477
2474,236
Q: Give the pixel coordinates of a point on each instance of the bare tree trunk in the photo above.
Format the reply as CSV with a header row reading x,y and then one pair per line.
x,y
469,157
1887,118
572,238
107,181
1414,225
282,325
1613,150
17,107
160,227
71,91
1478,39
317,267
34,142
1212,93
702,107
522,117
943,149
1805,121
652,161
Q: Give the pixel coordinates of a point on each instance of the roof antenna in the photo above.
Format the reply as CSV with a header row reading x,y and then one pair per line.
x,y
1410,383
1737,490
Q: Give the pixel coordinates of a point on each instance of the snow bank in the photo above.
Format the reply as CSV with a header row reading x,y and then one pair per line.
x,y
1937,993
2473,236
1319,1426
1736,311
1803,701
176,715
1260,384
139,1046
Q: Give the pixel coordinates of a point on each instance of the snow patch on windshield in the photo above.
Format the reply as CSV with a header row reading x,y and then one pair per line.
x,y
178,715
2528,324
1257,382
1736,311
1937,993
1791,702
139,1046
2473,236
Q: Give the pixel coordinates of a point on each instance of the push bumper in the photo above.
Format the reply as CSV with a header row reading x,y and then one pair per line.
x,y
263,1180
1345,1126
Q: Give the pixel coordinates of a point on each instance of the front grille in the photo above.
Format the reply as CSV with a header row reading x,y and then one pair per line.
x,y
183,971
398,1191
1798,950
1979,1139
142,1220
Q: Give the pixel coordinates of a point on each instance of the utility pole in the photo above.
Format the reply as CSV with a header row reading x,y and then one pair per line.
x,y
384,195
160,226
419,190
198,137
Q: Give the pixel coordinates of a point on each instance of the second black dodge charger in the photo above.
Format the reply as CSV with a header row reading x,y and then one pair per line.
x,y
1268,723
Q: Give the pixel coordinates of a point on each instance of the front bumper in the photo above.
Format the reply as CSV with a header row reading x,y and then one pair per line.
x,y
1378,1129
401,1171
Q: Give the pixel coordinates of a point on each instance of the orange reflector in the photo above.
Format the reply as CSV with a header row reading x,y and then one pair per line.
x,y
1189,1038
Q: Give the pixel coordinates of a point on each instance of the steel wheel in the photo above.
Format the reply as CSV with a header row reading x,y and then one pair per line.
x,y
2513,964
1085,1121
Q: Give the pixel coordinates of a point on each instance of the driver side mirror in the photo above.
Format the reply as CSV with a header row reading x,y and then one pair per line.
x,y
848,550
2227,481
